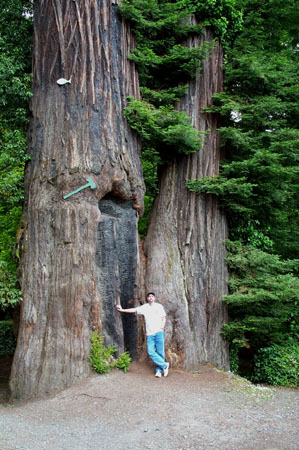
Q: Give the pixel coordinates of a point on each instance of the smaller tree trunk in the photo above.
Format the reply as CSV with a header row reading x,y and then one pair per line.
x,y
185,241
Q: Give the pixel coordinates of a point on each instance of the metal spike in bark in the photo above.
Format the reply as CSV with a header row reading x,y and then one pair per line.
x,y
89,184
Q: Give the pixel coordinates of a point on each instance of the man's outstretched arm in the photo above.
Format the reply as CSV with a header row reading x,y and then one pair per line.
x,y
129,310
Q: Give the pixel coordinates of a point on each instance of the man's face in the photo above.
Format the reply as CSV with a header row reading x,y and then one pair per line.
x,y
151,298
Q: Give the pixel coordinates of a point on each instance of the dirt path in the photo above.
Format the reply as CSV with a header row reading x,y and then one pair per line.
x,y
135,411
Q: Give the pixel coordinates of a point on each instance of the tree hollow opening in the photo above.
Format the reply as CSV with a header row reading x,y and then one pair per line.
x,y
117,259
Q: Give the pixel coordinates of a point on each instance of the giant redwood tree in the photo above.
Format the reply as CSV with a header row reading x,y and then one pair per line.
x,y
80,254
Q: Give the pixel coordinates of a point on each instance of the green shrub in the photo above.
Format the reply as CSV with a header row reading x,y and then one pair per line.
x,y
123,362
7,338
277,365
102,358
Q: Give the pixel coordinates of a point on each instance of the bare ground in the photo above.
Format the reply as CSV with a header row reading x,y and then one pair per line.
x,y
208,409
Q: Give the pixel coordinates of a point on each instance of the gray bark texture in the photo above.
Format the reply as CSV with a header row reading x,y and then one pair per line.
x,y
76,251
184,245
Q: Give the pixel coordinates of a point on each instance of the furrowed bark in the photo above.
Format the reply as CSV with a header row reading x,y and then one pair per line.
x,y
74,250
184,245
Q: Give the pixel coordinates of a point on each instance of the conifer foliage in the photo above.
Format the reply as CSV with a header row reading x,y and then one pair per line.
x,y
258,183
15,76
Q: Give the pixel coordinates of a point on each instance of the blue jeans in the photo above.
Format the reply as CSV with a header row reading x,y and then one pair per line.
x,y
155,350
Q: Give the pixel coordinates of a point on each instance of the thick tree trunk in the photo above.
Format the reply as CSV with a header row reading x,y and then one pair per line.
x,y
80,255
184,246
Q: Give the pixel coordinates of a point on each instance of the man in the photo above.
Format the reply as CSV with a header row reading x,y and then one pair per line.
x,y
155,318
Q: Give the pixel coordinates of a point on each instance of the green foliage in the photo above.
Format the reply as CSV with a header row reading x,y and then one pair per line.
x,y
224,16
10,295
167,70
163,97
150,163
230,190
155,18
100,356
277,365
7,338
168,131
123,362
15,66
15,77
143,222
164,63
102,359
160,23
234,358
263,307
12,160
258,184
160,28
264,298
252,235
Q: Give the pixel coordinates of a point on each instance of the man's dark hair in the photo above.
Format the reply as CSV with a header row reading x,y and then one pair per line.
x,y
150,293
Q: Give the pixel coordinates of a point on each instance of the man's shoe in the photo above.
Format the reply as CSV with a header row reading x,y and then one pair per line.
x,y
165,371
158,374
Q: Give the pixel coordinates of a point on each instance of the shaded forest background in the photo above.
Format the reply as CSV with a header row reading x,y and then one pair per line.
x,y
258,181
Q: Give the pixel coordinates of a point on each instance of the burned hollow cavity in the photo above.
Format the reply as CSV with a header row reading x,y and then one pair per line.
x,y
116,260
